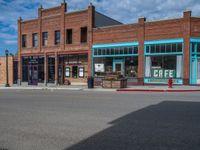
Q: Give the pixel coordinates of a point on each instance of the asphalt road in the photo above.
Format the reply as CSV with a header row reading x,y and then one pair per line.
x,y
77,120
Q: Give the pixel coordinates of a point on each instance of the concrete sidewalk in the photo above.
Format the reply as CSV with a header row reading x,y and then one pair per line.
x,y
70,87
160,88
145,88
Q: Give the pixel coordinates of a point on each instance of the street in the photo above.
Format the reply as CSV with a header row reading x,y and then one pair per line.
x,y
88,120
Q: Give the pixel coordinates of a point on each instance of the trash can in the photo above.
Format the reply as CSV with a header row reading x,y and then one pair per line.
x,y
90,82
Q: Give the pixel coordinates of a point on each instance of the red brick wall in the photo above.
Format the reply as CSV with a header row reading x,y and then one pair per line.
x,y
3,70
51,11
49,21
195,27
114,34
163,29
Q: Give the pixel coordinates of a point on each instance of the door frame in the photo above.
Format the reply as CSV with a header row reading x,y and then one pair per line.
x,y
121,62
31,80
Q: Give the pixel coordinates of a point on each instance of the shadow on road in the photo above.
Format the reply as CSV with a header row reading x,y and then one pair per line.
x,y
166,126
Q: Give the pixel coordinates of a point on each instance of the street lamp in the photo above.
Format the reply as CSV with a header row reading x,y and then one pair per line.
x,y
7,83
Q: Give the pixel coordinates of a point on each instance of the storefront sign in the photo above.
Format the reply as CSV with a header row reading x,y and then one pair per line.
x,y
163,73
73,62
99,68
33,61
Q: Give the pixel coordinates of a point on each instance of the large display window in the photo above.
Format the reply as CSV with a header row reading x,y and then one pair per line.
x,y
33,69
117,58
163,61
195,61
163,67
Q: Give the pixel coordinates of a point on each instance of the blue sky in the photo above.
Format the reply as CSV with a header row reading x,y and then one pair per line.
x,y
126,11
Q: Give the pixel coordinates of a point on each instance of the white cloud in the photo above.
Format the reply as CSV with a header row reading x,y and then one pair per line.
x,y
8,42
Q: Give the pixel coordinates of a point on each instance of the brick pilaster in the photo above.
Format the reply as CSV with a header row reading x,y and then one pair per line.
x,y
45,69
56,68
62,25
141,36
91,15
186,37
19,51
40,29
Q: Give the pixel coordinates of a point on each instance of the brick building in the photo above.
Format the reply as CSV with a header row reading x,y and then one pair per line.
x,y
62,47
3,70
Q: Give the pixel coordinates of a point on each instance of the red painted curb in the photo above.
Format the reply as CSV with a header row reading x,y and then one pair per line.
x,y
140,90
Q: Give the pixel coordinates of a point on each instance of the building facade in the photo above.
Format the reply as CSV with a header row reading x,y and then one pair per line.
x,y
62,47
12,70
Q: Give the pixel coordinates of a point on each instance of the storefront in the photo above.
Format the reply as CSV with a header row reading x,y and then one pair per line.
x,y
163,60
33,69
195,61
119,58
73,69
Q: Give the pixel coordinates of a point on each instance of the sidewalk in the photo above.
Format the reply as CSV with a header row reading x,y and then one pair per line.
x,y
69,87
145,88
160,88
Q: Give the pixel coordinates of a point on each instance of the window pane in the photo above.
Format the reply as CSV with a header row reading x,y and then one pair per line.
x,y
44,38
152,48
125,50
117,51
84,35
147,49
168,48
121,50
163,48
173,47
24,41
157,48
103,51
95,52
179,47
198,47
57,37
130,50
193,47
135,49
34,40
99,51
112,51
69,36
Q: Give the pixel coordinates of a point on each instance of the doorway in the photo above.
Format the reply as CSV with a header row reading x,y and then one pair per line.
x,y
33,74
118,66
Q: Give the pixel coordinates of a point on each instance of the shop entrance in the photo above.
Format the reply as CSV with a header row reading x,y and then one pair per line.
x,y
33,74
118,66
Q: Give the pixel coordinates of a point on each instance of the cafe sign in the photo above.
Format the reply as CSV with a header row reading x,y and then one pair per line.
x,y
163,73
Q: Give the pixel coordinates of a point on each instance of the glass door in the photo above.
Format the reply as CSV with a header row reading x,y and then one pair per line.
x,y
33,74
118,67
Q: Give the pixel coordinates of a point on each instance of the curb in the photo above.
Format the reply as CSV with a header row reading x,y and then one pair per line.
x,y
141,90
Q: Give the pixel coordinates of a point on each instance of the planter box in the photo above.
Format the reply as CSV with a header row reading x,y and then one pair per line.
x,y
122,83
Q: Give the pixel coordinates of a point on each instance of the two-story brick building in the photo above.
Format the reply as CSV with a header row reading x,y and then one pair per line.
x,y
64,47
56,47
